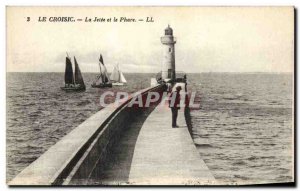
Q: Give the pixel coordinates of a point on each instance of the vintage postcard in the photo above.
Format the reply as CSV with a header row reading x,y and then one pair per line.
x,y
149,96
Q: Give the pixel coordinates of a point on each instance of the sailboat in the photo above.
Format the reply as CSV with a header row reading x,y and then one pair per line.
x,y
73,82
117,77
102,80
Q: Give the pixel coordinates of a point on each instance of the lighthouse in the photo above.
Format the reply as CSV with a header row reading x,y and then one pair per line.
x,y
168,64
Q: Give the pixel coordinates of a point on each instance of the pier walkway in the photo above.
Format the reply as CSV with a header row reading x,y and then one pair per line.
x,y
166,155
151,152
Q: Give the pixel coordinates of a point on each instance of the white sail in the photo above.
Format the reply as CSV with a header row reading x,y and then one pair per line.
x,y
122,78
115,75
102,80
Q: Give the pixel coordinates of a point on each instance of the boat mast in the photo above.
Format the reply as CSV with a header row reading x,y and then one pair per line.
x,y
74,74
119,72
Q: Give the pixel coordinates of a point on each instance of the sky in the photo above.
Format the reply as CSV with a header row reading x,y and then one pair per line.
x,y
209,39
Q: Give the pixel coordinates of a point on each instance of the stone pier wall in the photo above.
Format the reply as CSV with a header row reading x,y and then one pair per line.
x,y
74,157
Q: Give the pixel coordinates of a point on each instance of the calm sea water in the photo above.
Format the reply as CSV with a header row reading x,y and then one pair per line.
x,y
243,129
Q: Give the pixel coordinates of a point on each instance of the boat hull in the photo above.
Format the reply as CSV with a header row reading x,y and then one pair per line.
x,y
73,89
107,85
118,84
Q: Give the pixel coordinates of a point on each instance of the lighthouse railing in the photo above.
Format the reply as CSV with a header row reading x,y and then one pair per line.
x,y
180,76
168,39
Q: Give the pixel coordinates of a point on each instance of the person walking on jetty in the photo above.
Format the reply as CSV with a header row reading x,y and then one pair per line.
x,y
174,102
169,87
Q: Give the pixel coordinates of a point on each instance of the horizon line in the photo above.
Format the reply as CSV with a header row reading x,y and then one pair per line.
x,y
154,72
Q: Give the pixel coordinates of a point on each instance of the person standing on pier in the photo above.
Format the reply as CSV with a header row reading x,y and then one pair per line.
x,y
174,102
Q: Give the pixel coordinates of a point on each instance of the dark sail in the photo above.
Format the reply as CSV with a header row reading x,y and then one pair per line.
x,y
105,79
78,76
104,75
69,72
101,59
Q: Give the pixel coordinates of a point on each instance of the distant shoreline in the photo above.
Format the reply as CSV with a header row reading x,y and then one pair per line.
x,y
185,72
